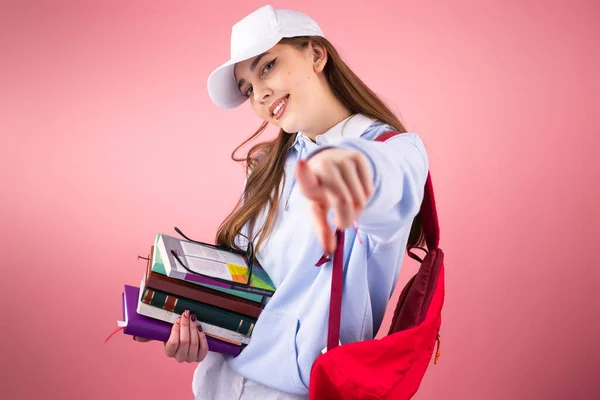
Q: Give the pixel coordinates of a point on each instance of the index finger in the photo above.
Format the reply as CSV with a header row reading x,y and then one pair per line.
x,y
184,337
326,237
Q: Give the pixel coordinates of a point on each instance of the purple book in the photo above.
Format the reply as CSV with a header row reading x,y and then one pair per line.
x,y
150,328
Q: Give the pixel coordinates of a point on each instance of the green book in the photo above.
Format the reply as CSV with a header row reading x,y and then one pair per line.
x,y
206,313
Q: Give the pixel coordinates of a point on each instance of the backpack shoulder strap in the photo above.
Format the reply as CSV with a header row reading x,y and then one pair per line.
x,y
431,230
428,211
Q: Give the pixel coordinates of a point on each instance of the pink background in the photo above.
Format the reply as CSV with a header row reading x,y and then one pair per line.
x,y
108,136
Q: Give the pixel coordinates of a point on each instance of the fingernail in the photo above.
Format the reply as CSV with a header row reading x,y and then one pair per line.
x,y
186,314
134,338
178,321
199,327
193,317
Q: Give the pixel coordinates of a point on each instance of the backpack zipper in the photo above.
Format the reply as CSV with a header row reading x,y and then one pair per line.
x,y
437,351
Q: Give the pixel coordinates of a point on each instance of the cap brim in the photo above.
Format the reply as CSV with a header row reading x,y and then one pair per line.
x,y
222,86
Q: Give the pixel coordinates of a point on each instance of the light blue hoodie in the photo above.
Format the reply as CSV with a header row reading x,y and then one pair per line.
x,y
292,329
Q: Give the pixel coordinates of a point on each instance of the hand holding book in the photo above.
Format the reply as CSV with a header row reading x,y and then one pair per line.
x,y
188,281
187,342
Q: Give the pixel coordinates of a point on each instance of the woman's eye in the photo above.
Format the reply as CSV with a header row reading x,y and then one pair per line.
x,y
268,67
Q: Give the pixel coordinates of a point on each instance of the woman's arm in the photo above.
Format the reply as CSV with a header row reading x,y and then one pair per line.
x,y
392,177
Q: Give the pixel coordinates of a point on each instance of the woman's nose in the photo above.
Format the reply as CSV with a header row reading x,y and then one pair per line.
x,y
261,94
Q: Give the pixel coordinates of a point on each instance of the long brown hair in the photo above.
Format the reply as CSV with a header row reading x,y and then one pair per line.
x,y
266,160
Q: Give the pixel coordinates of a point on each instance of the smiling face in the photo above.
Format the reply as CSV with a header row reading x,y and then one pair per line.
x,y
285,85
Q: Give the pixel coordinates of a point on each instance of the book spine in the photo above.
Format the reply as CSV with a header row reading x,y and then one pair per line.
x,y
203,295
211,315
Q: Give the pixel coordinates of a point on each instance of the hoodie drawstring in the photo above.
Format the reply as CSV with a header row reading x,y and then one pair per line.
x,y
289,194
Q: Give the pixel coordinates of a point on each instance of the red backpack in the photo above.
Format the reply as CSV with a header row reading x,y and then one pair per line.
x,y
391,367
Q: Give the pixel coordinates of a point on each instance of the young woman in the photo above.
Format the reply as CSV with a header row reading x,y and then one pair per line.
x,y
321,173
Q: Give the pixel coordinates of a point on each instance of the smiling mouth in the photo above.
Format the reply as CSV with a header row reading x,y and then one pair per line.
x,y
280,108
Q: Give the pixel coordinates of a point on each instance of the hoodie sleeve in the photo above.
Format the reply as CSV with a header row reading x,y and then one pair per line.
x,y
399,168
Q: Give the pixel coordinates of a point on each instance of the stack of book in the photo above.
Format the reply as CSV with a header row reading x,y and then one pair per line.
x,y
225,289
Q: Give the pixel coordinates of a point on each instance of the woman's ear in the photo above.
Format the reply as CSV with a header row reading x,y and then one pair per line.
x,y
319,56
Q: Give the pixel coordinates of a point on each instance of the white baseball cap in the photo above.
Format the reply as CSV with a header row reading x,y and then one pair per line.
x,y
251,36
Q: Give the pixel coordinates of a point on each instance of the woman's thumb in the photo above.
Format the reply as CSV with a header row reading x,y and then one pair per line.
x,y
141,339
